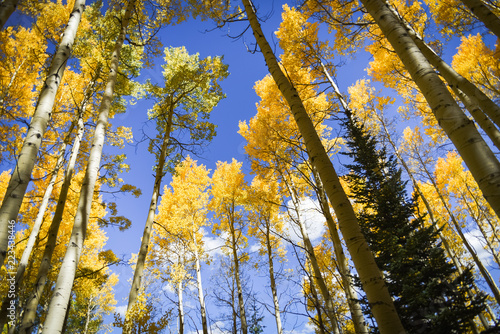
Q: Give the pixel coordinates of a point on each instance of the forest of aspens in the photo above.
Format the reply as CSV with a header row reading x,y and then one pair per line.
x,y
216,166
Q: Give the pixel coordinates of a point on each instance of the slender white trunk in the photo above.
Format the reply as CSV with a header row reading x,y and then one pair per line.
x,y
482,163
485,15
239,288
372,280
21,174
201,297
143,252
62,291
274,290
43,271
7,7
181,307
23,263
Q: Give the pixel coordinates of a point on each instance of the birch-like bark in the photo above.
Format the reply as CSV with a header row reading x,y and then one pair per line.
x,y
479,158
357,317
181,307
23,263
237,279
201,298
453,78
21,174
43,271
143,252
311,256
371,278
7,7
62,291
274,290
485,15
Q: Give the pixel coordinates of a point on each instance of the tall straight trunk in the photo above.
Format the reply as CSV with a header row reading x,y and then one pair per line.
x,y
371,278
62,291
143,252
274,290
481,161
452,77
485,15
23,263
311,256
7,7
317,306
21,174
237,279
180,307
43,271
201,298
357,317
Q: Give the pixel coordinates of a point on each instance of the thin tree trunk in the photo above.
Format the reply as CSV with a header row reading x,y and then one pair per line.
x,y
317,306
274,290
318,277
236,261
181,307
143,252
352,299
371,278
482,269
201,298
21,174
7,7
481,161
485,15
43,271
62,291
23,263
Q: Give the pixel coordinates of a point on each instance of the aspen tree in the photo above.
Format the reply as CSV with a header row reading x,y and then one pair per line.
x,y
371,277
58,304
485,15
481,161
27,156
191,92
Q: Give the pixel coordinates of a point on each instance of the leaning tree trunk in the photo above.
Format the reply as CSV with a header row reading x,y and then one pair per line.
x,y
453,78
62,291
29,315
485,15
7,7
21,174
23,263
143,252
371,278
481,161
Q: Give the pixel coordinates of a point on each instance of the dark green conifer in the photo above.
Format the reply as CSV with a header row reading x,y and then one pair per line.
x,y
429,295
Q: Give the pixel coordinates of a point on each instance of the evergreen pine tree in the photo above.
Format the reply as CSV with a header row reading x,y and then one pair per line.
x,y
428,293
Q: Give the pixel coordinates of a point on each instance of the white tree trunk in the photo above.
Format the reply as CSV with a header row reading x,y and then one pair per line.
x,y
485,15
21,174
201,298
143,251
43,271
62,291
481,161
